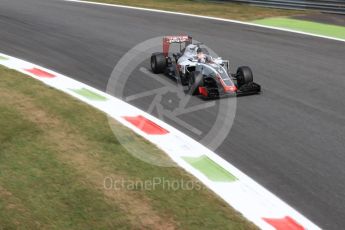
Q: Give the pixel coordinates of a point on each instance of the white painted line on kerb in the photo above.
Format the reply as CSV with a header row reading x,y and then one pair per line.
x,y
205,17
255,202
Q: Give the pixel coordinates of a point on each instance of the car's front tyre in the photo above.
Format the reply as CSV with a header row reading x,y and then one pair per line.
x,y
244,75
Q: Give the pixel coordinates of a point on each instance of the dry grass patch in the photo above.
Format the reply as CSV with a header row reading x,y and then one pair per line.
x,y
226,10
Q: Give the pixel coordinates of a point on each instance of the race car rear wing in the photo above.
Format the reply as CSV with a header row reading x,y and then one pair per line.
x,y
167,40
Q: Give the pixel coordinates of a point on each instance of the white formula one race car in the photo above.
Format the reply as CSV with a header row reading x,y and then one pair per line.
x,y
203,75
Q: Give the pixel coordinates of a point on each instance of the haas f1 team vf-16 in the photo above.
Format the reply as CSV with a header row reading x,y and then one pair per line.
x,y
202,74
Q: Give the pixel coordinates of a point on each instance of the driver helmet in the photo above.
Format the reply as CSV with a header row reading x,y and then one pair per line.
x,y
199,50
200,55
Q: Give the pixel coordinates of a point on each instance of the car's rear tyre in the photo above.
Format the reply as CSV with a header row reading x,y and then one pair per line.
x,y
194,82
158,63
244,75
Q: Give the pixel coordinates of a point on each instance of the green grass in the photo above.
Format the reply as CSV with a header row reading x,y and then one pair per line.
x,y
305,26
55,154
221,10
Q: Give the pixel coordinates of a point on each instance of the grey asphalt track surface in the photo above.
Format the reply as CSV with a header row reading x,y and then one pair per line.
x,y
290,139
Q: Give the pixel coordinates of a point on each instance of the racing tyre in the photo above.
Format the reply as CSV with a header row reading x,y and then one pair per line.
x,y
158,63
244,75
195,80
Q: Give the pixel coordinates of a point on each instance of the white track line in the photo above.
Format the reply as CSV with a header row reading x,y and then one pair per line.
x,y
206,17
